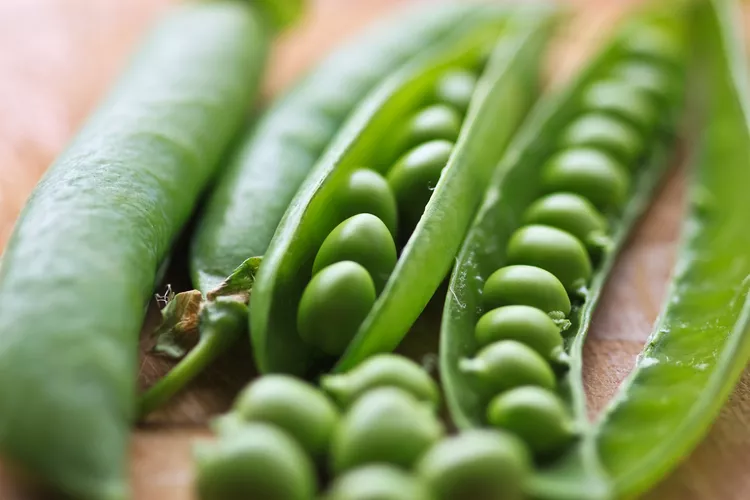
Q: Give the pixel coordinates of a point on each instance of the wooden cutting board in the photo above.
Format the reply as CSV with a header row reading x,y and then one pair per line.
x,y
59,56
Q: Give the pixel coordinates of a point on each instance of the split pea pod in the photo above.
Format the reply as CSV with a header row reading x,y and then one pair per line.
x,y
434,185
81,264
559,207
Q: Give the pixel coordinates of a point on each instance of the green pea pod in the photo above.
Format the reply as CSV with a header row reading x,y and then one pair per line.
x,y
517,183
701,343
505,90
81,264
245,207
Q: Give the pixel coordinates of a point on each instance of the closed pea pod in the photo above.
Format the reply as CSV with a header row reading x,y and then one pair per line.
x,y
528,325
570,212
606,133
525,285
378,482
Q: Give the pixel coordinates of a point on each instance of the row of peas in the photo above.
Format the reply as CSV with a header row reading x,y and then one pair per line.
x,y
355,260
551,255
375,434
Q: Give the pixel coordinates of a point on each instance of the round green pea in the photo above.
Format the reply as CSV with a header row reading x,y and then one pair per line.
x,y
645,76
364,239
414,177
295,406
590,173
256,461
569,212
606,133
535,415
555,250
334,304
367,192
623,100
378,482
438,121
476,464
507,364
386,425
528,286
525,324
382,370
456,89
654,42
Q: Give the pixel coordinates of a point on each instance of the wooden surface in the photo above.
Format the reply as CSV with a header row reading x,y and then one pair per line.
x,y
59,56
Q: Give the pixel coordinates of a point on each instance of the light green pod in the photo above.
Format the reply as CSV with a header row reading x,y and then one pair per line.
x,y
535,415
295,406
438,121
525,324
364,239
528,286
378,482
386,425
476,464
570,212
257,461
456,88
367,192
645,76
555,250
414,177
507,364
619,98
606,133
333,305
382,370
590,173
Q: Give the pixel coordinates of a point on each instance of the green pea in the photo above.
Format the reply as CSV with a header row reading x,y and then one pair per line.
x,y
646,77
606,133
623,100
367,192
378,482
557,251
298,408
590,173
385,425
414,176
363,239
433,122
334,304
569,212
654,42
526,285
525,324
536,415
456,89
257,461
382,370
478,465
507,364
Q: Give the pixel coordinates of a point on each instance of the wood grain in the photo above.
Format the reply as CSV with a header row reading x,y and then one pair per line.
x,y
60,56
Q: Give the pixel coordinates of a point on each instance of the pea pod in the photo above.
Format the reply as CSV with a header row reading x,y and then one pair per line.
x,y
262,176
504,89
81,264
507,231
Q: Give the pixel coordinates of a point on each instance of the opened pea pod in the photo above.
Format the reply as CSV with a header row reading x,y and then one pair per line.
x,y
405,173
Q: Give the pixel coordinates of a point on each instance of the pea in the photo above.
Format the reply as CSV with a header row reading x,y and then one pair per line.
x,y
557,251
378,482
382,370
478,465
385,425
433,122
363,239
507,364
258,461
536,415
526,285
334,304
569,212
414,176
655,43
456,89
528,325
366,191
606,133
623,100
590,173
292,405
644,76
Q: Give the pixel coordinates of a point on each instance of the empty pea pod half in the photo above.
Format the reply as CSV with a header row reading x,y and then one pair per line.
x,y
529,275
406,172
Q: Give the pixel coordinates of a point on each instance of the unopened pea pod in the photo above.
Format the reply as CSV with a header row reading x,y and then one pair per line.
x,y
504,88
